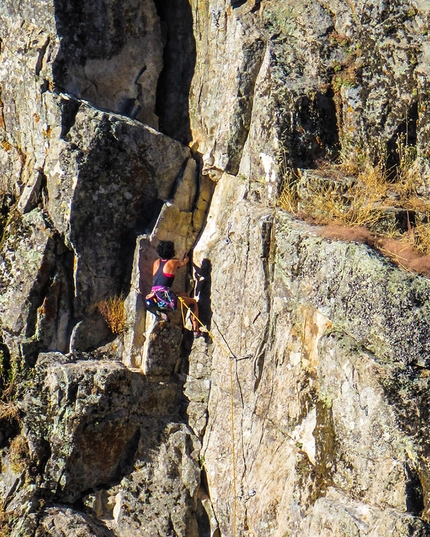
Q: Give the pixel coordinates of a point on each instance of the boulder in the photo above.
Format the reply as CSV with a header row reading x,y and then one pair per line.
x,y
100,189
74,409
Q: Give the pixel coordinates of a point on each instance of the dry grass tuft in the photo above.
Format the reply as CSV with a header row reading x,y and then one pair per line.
x,y
113,312
420,235
288,196
288,200
360,200
19,454
417,204
331,202
405,255
421,265
9,412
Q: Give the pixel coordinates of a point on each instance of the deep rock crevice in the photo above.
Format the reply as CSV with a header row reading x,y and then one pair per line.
x,y
179,58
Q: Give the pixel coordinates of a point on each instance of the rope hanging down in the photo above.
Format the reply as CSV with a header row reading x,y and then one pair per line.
x,y
231,357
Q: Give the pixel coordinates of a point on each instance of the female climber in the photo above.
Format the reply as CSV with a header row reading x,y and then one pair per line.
x,y
163,274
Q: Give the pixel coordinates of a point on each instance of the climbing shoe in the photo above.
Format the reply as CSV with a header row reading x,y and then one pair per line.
x,y
197,334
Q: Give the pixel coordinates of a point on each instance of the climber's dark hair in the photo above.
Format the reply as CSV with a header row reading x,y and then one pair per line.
x,y
166,249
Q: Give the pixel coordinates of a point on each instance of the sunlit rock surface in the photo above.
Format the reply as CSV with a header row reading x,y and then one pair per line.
x,y
304,409
320,356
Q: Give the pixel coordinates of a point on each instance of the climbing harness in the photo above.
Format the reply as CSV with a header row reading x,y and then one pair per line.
x,y
233,450
166,300
160,301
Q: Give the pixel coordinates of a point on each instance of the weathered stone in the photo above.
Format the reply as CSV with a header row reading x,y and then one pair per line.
x,y
291,84
135,312
124,156
116,68
304,402
197,389
186,190
31,193
88,333
393,323
23,262
182,218
74,409
61,521
166,484
173,218
130,181
310,395
339,516
197,417
202,203
160,351
200,367
78,388
33,271
223,40
178,69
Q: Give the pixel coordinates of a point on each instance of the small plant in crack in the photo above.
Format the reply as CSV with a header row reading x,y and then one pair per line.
x,y
113,312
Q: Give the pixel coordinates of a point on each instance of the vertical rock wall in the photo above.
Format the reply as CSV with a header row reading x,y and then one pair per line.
x,y
86,442
304,411
285,83
319,354
94,178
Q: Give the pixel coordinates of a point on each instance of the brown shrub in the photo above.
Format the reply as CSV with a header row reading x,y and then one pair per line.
x,y
8,411
19,454
113,312
405,255
421,265
403,252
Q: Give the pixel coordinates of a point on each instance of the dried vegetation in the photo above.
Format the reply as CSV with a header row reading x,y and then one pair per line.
x,y
19,453
361,201
113,312
5,528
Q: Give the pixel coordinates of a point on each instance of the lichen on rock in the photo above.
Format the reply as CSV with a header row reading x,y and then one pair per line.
x,y
304,408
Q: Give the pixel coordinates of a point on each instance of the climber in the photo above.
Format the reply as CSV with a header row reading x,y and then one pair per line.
x,y
163,274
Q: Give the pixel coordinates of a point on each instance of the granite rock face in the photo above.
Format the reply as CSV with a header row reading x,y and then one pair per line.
x,y
111,54
106,53
307,411
76,165
76,408
281,83
304,409
104,177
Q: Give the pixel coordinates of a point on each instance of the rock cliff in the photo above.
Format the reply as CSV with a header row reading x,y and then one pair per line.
x,y
304,410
